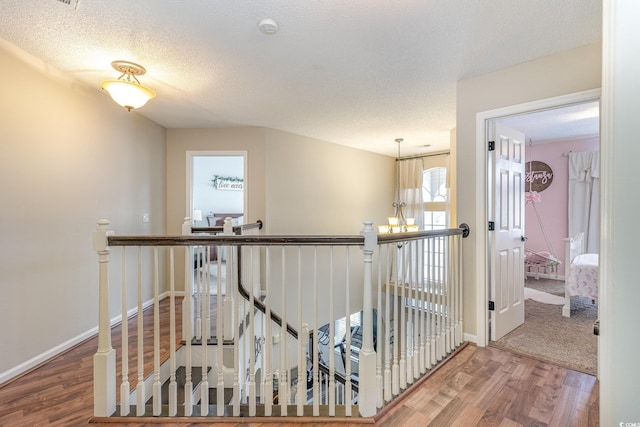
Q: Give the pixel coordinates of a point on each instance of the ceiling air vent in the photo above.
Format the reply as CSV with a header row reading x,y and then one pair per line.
x,y
71,3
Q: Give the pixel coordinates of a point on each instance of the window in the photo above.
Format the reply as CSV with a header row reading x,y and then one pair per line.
x,y
434,194
436,217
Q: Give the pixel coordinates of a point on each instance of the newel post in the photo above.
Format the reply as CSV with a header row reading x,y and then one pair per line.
x,y
367,394
104,361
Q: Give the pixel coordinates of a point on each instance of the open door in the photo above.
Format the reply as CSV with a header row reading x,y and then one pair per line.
x,y
506,240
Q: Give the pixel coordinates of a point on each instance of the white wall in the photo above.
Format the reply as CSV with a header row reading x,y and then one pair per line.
x,y
69,156
620,151
565,73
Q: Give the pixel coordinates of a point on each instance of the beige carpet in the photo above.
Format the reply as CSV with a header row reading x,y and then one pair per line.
x,y
547,336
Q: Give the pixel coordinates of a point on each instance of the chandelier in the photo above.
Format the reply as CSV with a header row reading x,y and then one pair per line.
x,y
398,223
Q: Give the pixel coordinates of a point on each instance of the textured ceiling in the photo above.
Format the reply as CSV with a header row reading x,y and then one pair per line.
x,y
359,73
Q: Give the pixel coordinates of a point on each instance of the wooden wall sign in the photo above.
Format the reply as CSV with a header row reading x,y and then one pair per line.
x,y
227,183
538,176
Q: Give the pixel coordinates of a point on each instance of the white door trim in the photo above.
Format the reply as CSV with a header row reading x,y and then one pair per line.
x,y
482,258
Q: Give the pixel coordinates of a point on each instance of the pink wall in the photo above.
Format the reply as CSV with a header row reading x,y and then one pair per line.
x,y
553,207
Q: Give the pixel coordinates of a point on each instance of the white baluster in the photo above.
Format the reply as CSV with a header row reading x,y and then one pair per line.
x,y
198,292
449,288
268,378
232,258
251,337
206,294
187,302
173,385
388,334
124,387
187,327
441,301
302,372
423,326
379,384
332,364
157,384
402,326
283,390
416,285
229,291
204,302
302,353
316,343
347,359
220,338
409,309
140,389
397,328
432,304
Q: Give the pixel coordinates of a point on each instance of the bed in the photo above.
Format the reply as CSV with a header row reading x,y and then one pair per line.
x,y
581,276
536,262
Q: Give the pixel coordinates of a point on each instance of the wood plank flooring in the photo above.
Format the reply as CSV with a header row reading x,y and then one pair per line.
x,y
478,387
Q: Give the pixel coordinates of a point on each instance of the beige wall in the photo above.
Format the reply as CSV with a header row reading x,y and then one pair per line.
x,y
69,156
315,187
565,73
182,141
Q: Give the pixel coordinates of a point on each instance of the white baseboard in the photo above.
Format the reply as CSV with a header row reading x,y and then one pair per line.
x,y
61,348
472,338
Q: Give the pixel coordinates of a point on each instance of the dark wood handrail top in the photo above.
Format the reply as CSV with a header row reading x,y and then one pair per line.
x,y
214,240
271,240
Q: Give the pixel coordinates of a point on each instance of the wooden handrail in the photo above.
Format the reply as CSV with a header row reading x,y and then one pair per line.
x,y
204,240
236,229
274,240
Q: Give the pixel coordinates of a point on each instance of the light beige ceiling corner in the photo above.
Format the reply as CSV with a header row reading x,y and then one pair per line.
x,y
356,73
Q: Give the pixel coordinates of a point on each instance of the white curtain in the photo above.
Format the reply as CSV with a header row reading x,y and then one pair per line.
x,y
410,182
584,198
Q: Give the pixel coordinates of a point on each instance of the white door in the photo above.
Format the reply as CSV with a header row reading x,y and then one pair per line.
x,y
507,240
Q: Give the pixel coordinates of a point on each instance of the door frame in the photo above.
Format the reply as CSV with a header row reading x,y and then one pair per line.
x,y
482,192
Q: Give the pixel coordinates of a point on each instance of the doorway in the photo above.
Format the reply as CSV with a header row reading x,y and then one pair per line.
x,y
568,127
217,187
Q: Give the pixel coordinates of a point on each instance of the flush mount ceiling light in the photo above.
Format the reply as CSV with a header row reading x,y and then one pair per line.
x,y
126,90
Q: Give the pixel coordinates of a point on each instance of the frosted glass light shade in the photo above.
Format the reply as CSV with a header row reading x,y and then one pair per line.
x,y
127,94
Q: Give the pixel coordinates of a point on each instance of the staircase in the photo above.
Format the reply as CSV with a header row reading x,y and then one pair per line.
x,y
273,317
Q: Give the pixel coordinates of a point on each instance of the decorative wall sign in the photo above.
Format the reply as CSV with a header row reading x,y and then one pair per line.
x,y
538,176
227,183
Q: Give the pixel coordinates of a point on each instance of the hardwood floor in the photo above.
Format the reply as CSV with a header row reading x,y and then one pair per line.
x,y
478,387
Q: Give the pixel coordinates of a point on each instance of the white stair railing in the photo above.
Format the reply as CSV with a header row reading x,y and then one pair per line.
x,y
409,299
